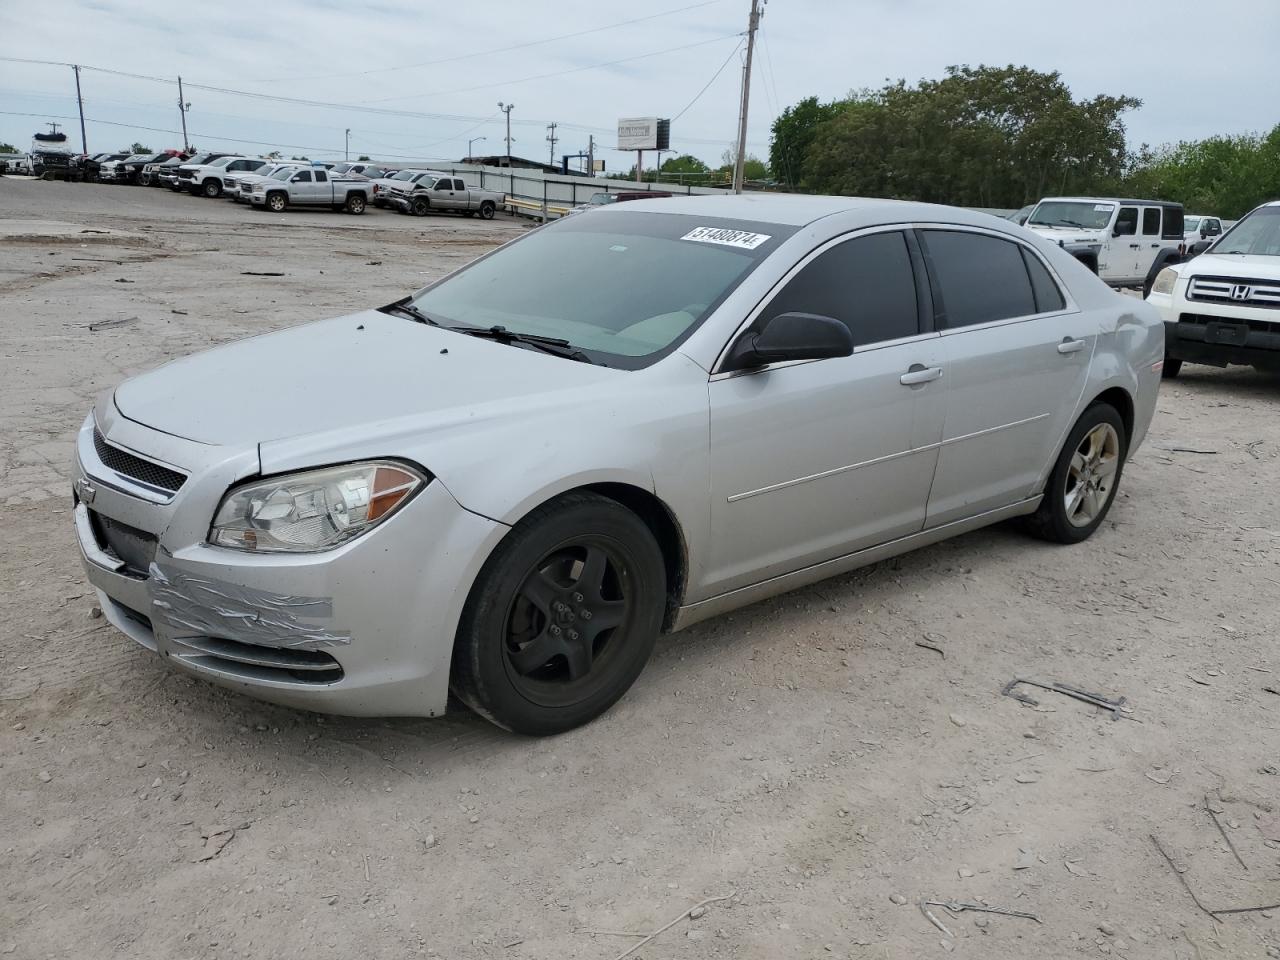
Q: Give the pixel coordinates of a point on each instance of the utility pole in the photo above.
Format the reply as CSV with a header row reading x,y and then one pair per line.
x,y
553,140
507,108
183,107
752,26
84,141
346,151
591,154
470,142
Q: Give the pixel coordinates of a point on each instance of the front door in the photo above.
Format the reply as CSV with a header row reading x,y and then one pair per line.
x,y
1017,355
303,189
1122,245
445,194
810,461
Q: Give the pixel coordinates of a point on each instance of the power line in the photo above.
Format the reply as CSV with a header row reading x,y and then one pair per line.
x,y
490,51
557,73
714,76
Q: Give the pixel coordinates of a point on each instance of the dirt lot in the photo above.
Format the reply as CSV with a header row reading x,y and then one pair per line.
x,y
806,758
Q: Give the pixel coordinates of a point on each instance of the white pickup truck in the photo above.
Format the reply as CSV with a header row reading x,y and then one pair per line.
x,y
445,194
207,178
311,187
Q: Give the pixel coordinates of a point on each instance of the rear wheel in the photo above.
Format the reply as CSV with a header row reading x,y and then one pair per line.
x,y
1084,481
487,210
355,203
277,202
562,617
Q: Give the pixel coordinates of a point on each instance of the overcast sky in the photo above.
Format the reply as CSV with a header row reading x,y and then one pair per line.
x,y
1201,68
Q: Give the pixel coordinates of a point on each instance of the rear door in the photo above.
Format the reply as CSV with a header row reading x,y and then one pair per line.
x,y
1149,241
814,460
323,191
1017,354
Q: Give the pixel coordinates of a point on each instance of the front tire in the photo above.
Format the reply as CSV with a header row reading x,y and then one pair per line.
x,y
562,617
213,188
277,202
1084,481
420,207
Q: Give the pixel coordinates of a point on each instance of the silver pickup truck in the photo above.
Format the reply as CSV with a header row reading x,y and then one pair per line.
x,y
444,194
311,187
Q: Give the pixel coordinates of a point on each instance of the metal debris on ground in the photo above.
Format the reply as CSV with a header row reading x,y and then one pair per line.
x,y
687,913
1096,699
956,907
1213,815
259,273
1213,914
109,324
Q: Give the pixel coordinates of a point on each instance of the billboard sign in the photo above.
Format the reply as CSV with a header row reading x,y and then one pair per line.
x,y
644,133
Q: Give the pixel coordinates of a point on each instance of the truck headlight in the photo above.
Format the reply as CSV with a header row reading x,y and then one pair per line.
x,y
314,510
1164,281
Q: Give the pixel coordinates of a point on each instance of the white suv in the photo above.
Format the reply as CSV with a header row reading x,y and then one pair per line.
x,y
1223,307
1125,242
207,178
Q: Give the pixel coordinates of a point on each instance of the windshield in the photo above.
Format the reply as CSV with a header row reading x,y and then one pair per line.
x,y
342,167
624,289
221,161
1258,234
405,175
599,198
284,173
1190,224
1084,214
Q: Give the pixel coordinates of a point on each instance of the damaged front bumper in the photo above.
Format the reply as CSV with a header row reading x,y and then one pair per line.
x,y
365,629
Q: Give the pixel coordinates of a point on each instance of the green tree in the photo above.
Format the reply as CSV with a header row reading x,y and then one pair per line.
x,y
684,164
139,148
1225,175
361,157
980,136
753,168
8,148
793,132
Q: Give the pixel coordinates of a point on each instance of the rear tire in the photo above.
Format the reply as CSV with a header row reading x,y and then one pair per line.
x,y
562,617
1084,481
355,204
1171,368
487,210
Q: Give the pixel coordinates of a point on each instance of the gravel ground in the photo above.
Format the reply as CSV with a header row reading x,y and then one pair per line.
x,y
806,758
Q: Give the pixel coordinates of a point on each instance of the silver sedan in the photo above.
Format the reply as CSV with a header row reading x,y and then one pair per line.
x,y
509,483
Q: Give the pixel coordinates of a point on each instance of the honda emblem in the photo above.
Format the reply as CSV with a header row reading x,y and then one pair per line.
x,y
1241,292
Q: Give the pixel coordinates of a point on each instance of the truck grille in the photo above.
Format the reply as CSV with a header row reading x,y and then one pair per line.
x,y
135,468
1235,290
1203,320
135,547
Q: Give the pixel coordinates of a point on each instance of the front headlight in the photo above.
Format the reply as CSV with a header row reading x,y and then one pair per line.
x,y
1164,281
259,188
316,510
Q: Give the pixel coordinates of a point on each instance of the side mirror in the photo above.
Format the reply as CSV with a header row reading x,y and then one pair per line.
x,y
1204,231
791,336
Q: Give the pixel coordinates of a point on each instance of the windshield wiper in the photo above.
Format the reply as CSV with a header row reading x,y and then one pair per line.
x,y
552,345
409,310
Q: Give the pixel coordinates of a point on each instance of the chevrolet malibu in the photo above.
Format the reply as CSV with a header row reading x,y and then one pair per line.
x,y
509,483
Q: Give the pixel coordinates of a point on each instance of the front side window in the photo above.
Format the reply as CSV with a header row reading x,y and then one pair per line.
x,y
866,283
625,289
1257,234
1127,222
981,278
302,176
1151,221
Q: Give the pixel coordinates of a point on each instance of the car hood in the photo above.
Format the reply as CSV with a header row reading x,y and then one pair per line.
x,y
348,372
1250,266
1068,236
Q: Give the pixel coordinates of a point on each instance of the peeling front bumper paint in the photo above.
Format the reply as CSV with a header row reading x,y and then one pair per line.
x,y
382,609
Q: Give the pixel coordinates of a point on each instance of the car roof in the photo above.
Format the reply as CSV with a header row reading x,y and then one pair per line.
x,y
797,211
1122,200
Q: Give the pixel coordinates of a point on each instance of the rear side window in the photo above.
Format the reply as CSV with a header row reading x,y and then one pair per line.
x,y
1150,221
981,278
321,177
1174,223
866,283
1048,295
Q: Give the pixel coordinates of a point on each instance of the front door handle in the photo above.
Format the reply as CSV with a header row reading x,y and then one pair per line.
x,y
1135,246
1155,246
1070,346
918,373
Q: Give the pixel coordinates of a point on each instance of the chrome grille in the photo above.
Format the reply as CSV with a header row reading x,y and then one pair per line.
x,y
1241,291
135,468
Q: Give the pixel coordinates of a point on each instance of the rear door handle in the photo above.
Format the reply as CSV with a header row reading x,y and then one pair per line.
x,y
1070,346
918,373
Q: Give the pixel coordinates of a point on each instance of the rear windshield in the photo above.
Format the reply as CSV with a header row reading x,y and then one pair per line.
x,y
624,289
1257,234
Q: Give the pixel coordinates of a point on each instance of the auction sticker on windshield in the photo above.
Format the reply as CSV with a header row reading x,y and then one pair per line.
x,y
726,237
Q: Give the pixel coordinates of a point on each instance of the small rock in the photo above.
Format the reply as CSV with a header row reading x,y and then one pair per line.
x,y
155,783
1026,778
95,612
19,726
697,913
44,776
981,923
965,873
959,721
428,841
897,898
474,819
1106,929
1121,945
